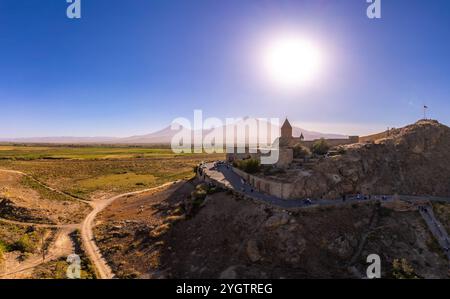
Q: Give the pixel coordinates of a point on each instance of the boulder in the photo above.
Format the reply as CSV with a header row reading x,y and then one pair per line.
x,y
253,251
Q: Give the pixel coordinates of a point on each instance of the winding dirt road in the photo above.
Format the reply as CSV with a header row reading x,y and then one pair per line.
x,y
87,234
62,246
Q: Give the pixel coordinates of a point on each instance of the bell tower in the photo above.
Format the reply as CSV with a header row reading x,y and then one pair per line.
x,y
286,130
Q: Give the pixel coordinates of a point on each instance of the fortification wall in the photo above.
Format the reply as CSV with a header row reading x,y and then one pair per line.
x,y
278,189
331,142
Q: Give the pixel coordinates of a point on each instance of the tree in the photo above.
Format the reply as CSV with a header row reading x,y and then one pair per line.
x,y
301,152
249,165
320,147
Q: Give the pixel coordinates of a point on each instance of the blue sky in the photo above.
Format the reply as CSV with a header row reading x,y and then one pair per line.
x,y
131,67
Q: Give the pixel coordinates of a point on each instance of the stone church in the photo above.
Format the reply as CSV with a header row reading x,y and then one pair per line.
x,y
286,144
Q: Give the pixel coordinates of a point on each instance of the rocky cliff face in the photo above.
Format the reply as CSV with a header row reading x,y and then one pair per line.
x,y
414,160
232,238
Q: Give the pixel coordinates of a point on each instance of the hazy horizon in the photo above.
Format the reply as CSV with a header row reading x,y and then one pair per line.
x,y
324,128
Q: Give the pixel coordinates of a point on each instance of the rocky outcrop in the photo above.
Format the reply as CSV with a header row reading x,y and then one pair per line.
x,y
414,160
235,238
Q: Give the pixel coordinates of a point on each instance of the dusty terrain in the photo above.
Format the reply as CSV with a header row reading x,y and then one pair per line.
x,y
50,195
23,199
124,229
92,173
232,238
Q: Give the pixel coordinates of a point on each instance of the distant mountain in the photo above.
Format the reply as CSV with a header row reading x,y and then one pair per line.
x,y
163,136
311,135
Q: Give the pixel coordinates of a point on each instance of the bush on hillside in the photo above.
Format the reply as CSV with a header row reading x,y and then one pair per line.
x,y
401,269
249,165
320,147
2,257
301,152
24,244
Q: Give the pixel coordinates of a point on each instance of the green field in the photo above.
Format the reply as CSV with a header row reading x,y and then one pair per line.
x,y
21,152
87,172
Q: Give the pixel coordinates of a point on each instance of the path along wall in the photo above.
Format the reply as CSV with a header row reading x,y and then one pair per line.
x,y
278,189
332,142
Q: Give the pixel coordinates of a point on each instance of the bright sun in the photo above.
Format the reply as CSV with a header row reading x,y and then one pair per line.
x,y
291,61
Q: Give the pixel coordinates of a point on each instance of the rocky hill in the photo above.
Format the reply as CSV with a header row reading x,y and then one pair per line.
x,y
227,236
414,160
230,237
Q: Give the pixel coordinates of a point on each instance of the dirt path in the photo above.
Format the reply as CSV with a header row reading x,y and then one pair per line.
x,y
87,234
62,245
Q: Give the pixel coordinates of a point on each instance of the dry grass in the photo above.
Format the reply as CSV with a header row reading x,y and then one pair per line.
x,y
29,201
89,172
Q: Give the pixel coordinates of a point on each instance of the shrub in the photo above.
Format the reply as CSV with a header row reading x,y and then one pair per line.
x,y
200,192
401,269
2,257
249,165
320,147
341,150
24,244
301,152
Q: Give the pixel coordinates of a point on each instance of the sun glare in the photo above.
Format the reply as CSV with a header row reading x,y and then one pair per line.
x,y
291,61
